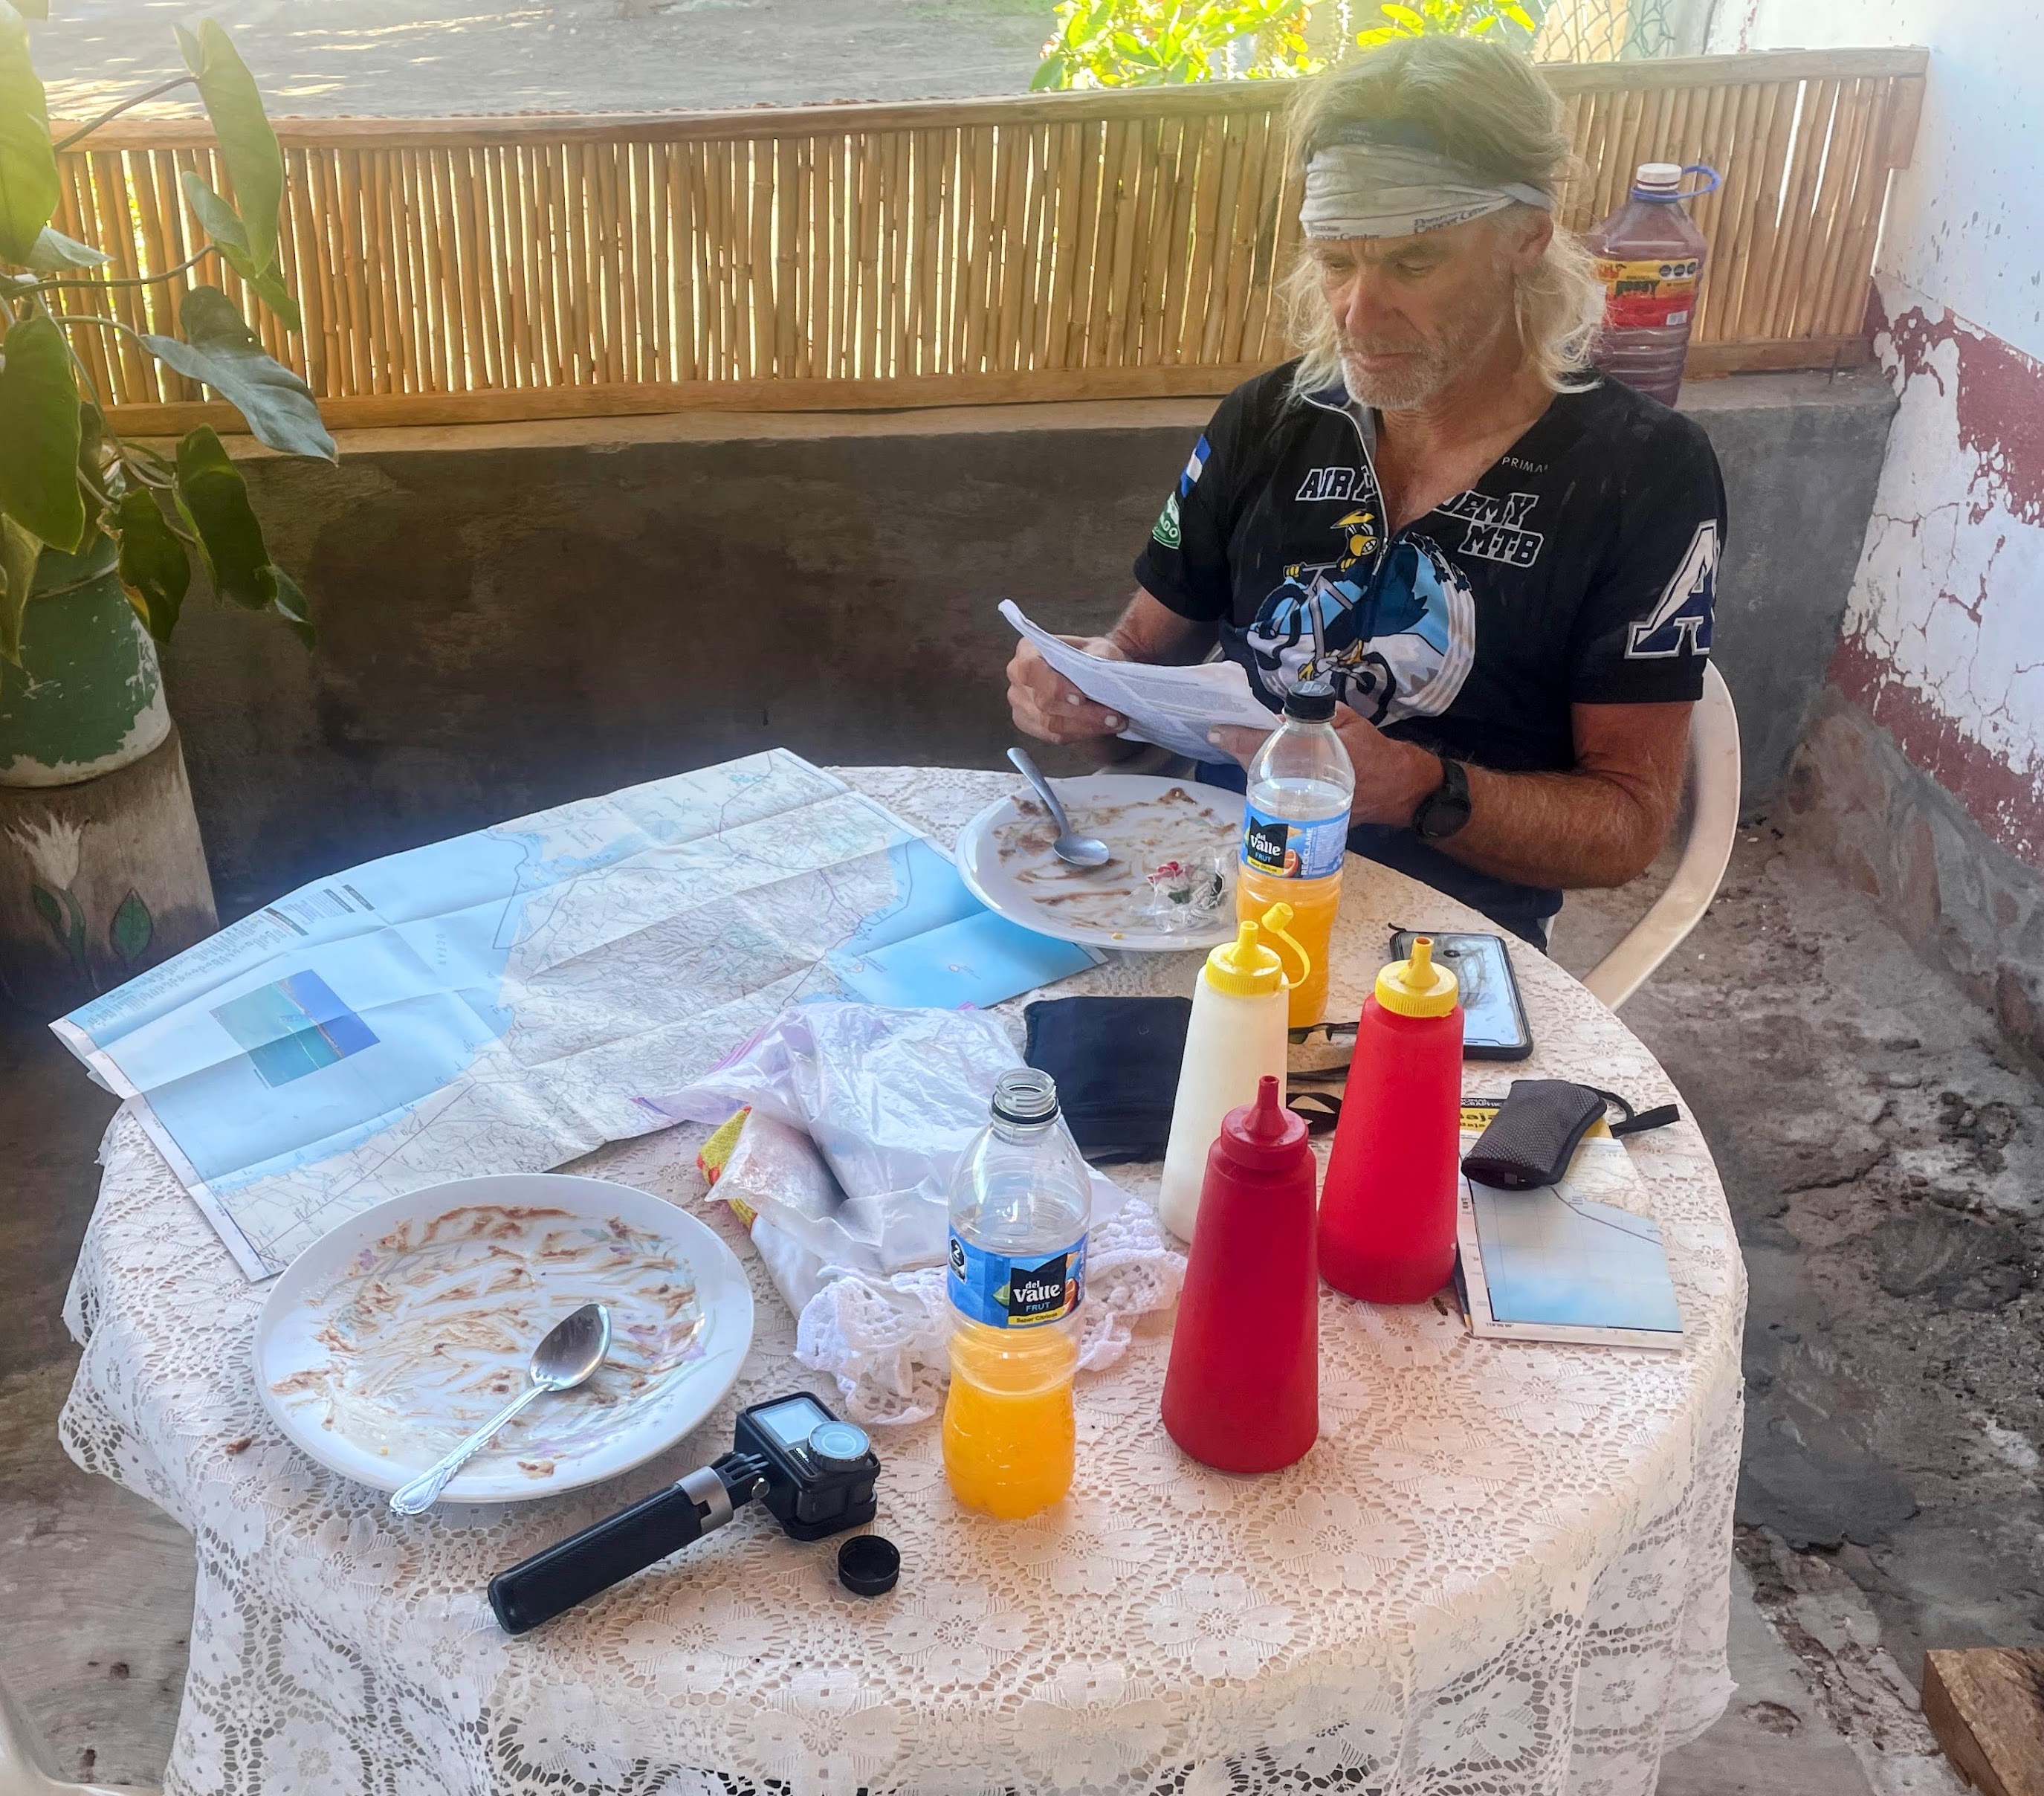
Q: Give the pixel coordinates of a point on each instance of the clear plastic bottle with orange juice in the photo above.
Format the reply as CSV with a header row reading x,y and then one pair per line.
x,y
1021,1204
1294,833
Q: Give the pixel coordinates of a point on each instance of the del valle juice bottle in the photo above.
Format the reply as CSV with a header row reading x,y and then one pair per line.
x,y
1650,255
1021,1202
1242,1391
1294,833
1388,1205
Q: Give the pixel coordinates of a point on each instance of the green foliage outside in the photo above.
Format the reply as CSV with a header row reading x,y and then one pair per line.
x,y
1149,43
68,482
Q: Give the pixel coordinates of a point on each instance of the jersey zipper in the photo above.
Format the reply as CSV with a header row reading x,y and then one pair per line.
x,y
1385,538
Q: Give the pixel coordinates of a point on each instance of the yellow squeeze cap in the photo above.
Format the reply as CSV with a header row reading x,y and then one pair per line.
x,y
1417,987
1244,967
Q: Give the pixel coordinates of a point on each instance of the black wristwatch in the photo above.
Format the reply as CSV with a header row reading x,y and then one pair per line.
x,y
1446,808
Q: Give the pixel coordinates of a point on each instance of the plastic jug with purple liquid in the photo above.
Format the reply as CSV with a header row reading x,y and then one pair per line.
x,y
1650,255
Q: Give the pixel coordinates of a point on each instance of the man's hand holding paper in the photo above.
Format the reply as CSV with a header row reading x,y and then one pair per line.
x,y
1174,707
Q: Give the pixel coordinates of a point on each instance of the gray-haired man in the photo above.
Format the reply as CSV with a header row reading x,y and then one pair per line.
x,y
1505,567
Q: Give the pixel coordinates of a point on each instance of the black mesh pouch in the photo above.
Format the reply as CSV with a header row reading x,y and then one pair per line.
x,y
1535,1130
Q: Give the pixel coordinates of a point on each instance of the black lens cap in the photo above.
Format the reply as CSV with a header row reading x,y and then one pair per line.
x,y
868,1565
1310,703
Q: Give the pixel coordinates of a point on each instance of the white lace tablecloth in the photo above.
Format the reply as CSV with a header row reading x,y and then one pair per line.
x,y
1504,1568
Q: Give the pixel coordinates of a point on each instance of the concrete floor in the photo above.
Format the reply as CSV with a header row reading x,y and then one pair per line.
x,y
1882,1154
404,59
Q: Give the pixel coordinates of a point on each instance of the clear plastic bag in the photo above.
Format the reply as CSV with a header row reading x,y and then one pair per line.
x,y
891,1098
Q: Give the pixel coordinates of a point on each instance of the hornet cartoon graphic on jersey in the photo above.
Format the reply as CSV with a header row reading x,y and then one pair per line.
x,y
1394,637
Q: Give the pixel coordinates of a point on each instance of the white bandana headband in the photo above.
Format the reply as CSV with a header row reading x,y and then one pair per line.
x,y
1387,190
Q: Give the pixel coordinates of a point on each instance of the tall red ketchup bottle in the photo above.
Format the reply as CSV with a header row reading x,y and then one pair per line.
x,y
1387,1207
1242,1391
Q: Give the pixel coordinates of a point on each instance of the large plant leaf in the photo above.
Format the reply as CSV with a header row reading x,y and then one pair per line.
x,y
54,253
39,433
154,565
223,223
222,351
255,164
19,552
214,501
28,189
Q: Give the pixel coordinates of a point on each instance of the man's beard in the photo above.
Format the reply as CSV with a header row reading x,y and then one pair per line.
x,y
1423,369
1414,380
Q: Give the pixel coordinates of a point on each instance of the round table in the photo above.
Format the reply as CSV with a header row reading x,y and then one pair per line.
x,y
1505,1568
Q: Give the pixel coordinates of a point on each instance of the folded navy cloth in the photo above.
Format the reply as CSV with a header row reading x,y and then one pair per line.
x,y
1115,1060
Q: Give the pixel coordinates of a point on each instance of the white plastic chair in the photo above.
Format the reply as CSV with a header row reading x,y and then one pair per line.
x,y
1713,806
23,1771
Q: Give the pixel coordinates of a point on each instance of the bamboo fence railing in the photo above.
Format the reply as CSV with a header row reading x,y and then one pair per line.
x,y
1051,247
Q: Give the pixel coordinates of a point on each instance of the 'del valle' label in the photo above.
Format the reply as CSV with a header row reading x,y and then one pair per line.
x,y
1007,1293
1649,293
1292,851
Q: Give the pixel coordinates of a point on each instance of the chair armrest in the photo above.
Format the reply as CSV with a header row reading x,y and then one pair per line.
x,y
1713,785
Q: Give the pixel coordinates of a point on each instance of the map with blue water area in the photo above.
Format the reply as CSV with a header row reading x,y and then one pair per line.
x,y
502,1001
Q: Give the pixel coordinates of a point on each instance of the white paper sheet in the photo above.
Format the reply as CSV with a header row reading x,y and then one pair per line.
x,y
1172,707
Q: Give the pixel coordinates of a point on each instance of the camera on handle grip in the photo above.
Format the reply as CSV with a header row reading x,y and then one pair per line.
x,y
821,1471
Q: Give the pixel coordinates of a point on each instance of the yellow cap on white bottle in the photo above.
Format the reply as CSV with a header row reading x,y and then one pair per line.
x,y
1245,967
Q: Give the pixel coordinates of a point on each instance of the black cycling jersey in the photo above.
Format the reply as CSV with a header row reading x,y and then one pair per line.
x,y
1580,569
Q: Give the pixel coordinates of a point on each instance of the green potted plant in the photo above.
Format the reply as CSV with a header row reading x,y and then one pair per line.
x,y
102,872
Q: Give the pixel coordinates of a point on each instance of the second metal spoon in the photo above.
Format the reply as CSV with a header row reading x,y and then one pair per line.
x,y
1077,850
569,1354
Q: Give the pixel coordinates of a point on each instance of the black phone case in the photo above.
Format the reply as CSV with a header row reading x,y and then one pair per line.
x,y
1401,949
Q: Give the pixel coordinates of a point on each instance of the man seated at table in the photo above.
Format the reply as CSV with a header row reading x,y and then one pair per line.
x,y
1503,564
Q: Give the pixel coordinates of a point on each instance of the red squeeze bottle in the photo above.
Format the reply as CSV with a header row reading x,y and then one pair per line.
x,y
1242,1390
1388,1208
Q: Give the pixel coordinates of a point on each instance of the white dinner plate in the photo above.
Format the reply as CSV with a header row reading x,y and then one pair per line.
x,y
394,1335
1004,858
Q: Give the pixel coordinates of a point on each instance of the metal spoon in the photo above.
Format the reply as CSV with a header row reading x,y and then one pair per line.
x,y
572,1350
1079,851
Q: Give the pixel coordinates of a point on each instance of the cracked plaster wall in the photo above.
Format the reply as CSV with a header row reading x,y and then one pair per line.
x,y
1943,639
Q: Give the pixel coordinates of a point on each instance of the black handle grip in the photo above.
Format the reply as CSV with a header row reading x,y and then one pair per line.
x,y
573,1570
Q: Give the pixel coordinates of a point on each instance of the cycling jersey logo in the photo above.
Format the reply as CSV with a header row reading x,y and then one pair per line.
x,y
1680,624
1334,483
1496,528
1395,642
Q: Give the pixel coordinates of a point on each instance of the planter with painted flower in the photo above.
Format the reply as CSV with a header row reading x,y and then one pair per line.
x,y
101,870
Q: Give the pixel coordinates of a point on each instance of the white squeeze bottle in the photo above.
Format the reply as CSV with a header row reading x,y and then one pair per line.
x,y
1236,1038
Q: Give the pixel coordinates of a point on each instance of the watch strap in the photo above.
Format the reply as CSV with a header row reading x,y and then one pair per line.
x,y
1452,796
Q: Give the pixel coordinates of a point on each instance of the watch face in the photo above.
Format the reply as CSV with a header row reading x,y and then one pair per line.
x,y
1442,812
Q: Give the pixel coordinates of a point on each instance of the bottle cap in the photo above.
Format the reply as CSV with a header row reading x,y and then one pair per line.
x,y
1266,1124
1657,180
1314,704
1417,987
1274,920
1245,967
1025,1095
868,1565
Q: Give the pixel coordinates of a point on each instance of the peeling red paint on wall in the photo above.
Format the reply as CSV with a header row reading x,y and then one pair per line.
x,y
1968,475
2006,802
2000,402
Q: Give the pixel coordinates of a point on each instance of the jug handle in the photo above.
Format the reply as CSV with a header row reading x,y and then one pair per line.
x,y
1277,928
